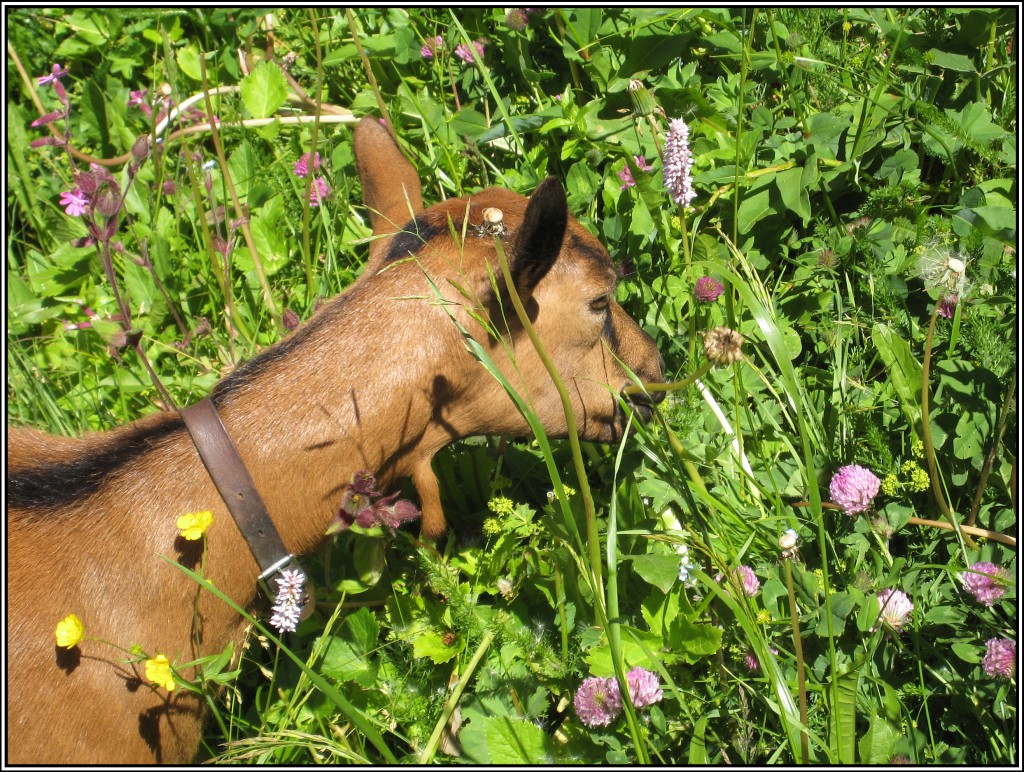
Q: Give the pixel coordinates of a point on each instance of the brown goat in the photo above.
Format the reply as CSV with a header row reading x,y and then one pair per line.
x,y
379,379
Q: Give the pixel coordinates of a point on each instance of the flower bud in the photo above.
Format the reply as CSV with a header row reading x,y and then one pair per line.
x,y
642,99
140,150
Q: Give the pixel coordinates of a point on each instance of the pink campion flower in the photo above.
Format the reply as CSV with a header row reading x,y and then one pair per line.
x,y
139,99
74,202
644,689
431,47
678,162
853,487
1000,660
55,75
54,79
319,191
598,701
465,53
43,120
985,582
894,608
301,166
707,289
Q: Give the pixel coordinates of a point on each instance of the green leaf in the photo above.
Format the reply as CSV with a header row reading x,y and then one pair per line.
x,y
347,656
904,371
794,192
468,123
660,570
877,744
843,717
698,753
947,61
264,90
504,740
694,641
753,208
188,62
431,645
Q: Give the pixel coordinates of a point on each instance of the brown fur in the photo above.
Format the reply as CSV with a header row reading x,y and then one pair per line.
x,y
380,380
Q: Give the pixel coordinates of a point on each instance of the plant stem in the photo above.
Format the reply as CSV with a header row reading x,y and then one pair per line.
x,y
453,699
674,386
926,431
593,537
236,204
798,648
381,104
1004,410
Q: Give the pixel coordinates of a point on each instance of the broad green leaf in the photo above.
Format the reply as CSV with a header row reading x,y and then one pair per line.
x,y
842,695
188,61
791,185
660,570
698,753
504,740
264,90
753,208
432,645
468,123
947,61
904,371
876,746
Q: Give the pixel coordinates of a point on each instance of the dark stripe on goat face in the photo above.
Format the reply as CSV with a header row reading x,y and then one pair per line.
x,y
56,485
412,237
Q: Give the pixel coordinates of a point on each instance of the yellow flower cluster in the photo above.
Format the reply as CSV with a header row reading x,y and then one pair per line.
x,y
69,631
194,524
501,506
158,671
919,480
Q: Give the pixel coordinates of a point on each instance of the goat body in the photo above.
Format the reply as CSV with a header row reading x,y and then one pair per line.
x,y
377,380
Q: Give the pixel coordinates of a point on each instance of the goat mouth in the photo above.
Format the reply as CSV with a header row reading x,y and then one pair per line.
x,y
642,404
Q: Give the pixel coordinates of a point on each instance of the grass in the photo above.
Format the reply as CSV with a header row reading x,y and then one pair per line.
x,y
853,169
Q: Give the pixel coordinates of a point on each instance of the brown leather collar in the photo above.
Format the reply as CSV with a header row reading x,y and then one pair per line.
x,y
237,489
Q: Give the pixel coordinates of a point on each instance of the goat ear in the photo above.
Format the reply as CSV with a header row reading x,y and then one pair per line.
x,y
540,237
391,187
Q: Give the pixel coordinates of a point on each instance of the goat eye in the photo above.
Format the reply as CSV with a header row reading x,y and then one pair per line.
x,y
600,305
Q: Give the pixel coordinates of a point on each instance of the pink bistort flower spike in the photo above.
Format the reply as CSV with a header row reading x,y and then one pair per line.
x,y
678,162
288,605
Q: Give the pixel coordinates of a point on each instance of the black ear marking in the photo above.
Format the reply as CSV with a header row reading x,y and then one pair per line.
x,y
540,237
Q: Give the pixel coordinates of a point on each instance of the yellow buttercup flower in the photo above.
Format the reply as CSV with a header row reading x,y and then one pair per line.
x,y
194,524
158,671
69,631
